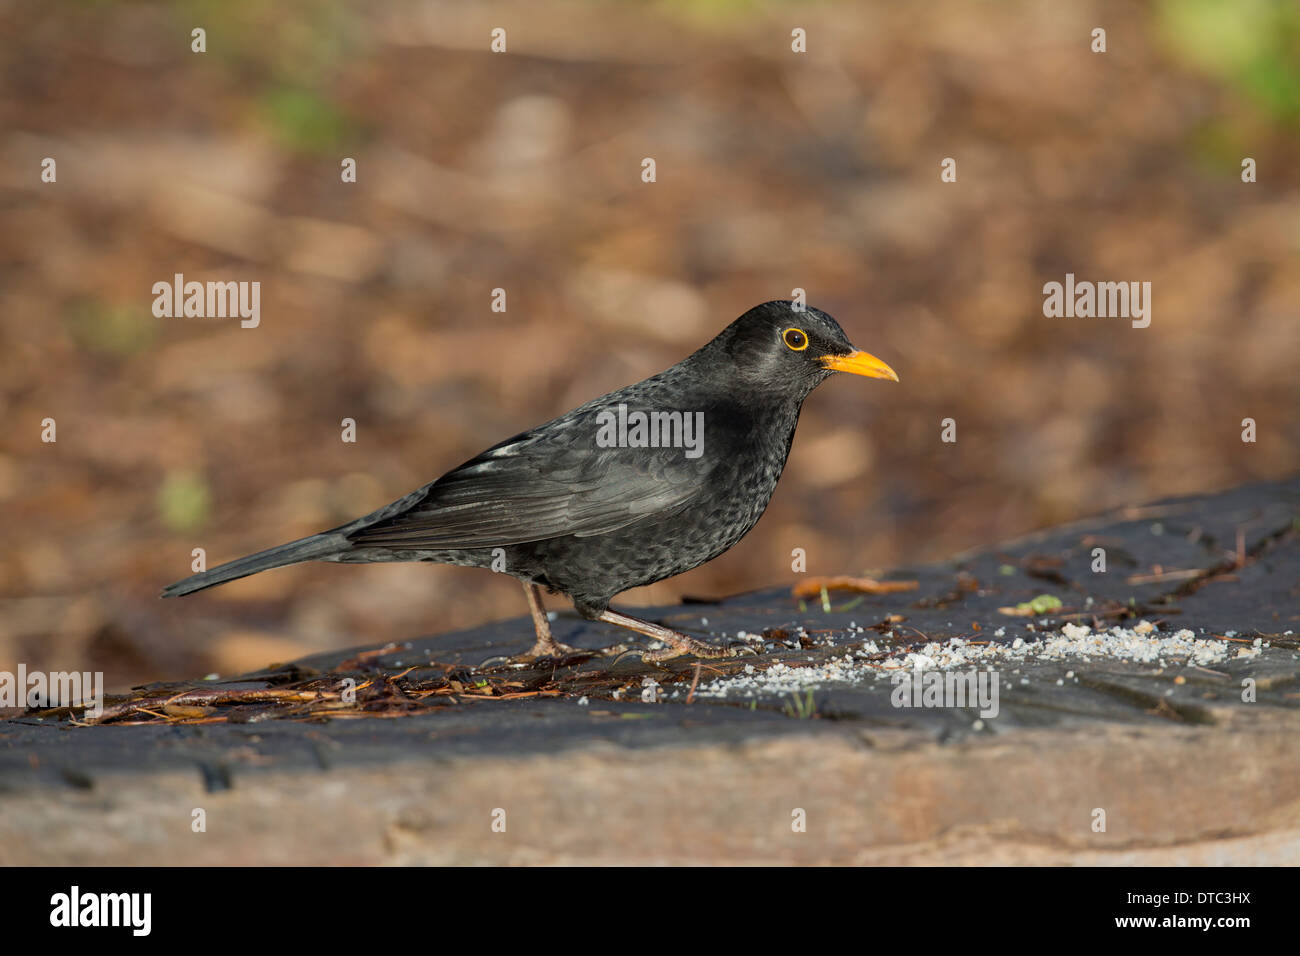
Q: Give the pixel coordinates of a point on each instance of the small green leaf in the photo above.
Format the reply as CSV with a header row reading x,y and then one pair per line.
x,y
1043,604
110,329
303,120
184,501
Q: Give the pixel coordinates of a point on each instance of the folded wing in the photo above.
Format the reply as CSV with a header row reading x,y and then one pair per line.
x,y
545,483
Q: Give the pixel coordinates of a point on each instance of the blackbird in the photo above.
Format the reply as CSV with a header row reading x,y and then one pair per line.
x,y
633,487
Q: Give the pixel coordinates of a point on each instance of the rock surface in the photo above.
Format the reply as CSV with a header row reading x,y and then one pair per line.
x,y
1186,748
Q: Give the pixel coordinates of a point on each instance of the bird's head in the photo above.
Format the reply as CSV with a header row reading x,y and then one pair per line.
x,y
783,350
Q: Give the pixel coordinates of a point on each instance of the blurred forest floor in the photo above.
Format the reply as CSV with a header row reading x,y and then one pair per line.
x,y
521,171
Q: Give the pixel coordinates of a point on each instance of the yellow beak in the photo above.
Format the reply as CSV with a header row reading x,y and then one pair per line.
x,y
859,363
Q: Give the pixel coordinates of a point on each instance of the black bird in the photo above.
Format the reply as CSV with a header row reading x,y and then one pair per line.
x,y
633,487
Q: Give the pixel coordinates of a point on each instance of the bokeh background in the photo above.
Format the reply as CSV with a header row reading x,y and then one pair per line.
x,y
522,171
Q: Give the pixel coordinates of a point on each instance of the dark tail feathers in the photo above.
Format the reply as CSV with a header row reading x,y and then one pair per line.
x,y
304,549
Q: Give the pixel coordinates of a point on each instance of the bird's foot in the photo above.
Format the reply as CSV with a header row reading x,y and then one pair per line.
x,y
680,645
547,647
553,649
542,651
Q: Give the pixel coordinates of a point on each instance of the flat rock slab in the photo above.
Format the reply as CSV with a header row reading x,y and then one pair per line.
x,y
1104,746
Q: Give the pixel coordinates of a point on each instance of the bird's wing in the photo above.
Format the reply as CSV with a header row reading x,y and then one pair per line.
x,y
545,483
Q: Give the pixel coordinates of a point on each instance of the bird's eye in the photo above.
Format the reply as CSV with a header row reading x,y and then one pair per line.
x,y
795,339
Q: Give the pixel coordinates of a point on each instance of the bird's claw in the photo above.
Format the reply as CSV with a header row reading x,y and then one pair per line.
x,y
557,652
499,661
633,651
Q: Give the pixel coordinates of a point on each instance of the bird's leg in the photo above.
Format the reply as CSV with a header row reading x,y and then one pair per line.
x,y
679,643
546,645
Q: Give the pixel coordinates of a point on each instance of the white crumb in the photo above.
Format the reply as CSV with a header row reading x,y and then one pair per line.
x,y
1073,642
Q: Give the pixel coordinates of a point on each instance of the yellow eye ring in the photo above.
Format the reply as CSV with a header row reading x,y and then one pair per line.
x,y
796,340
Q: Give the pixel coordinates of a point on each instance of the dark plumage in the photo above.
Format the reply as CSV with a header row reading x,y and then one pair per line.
x,y
565,512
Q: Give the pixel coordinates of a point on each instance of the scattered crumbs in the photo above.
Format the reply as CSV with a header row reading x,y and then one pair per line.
x,y
1144,645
